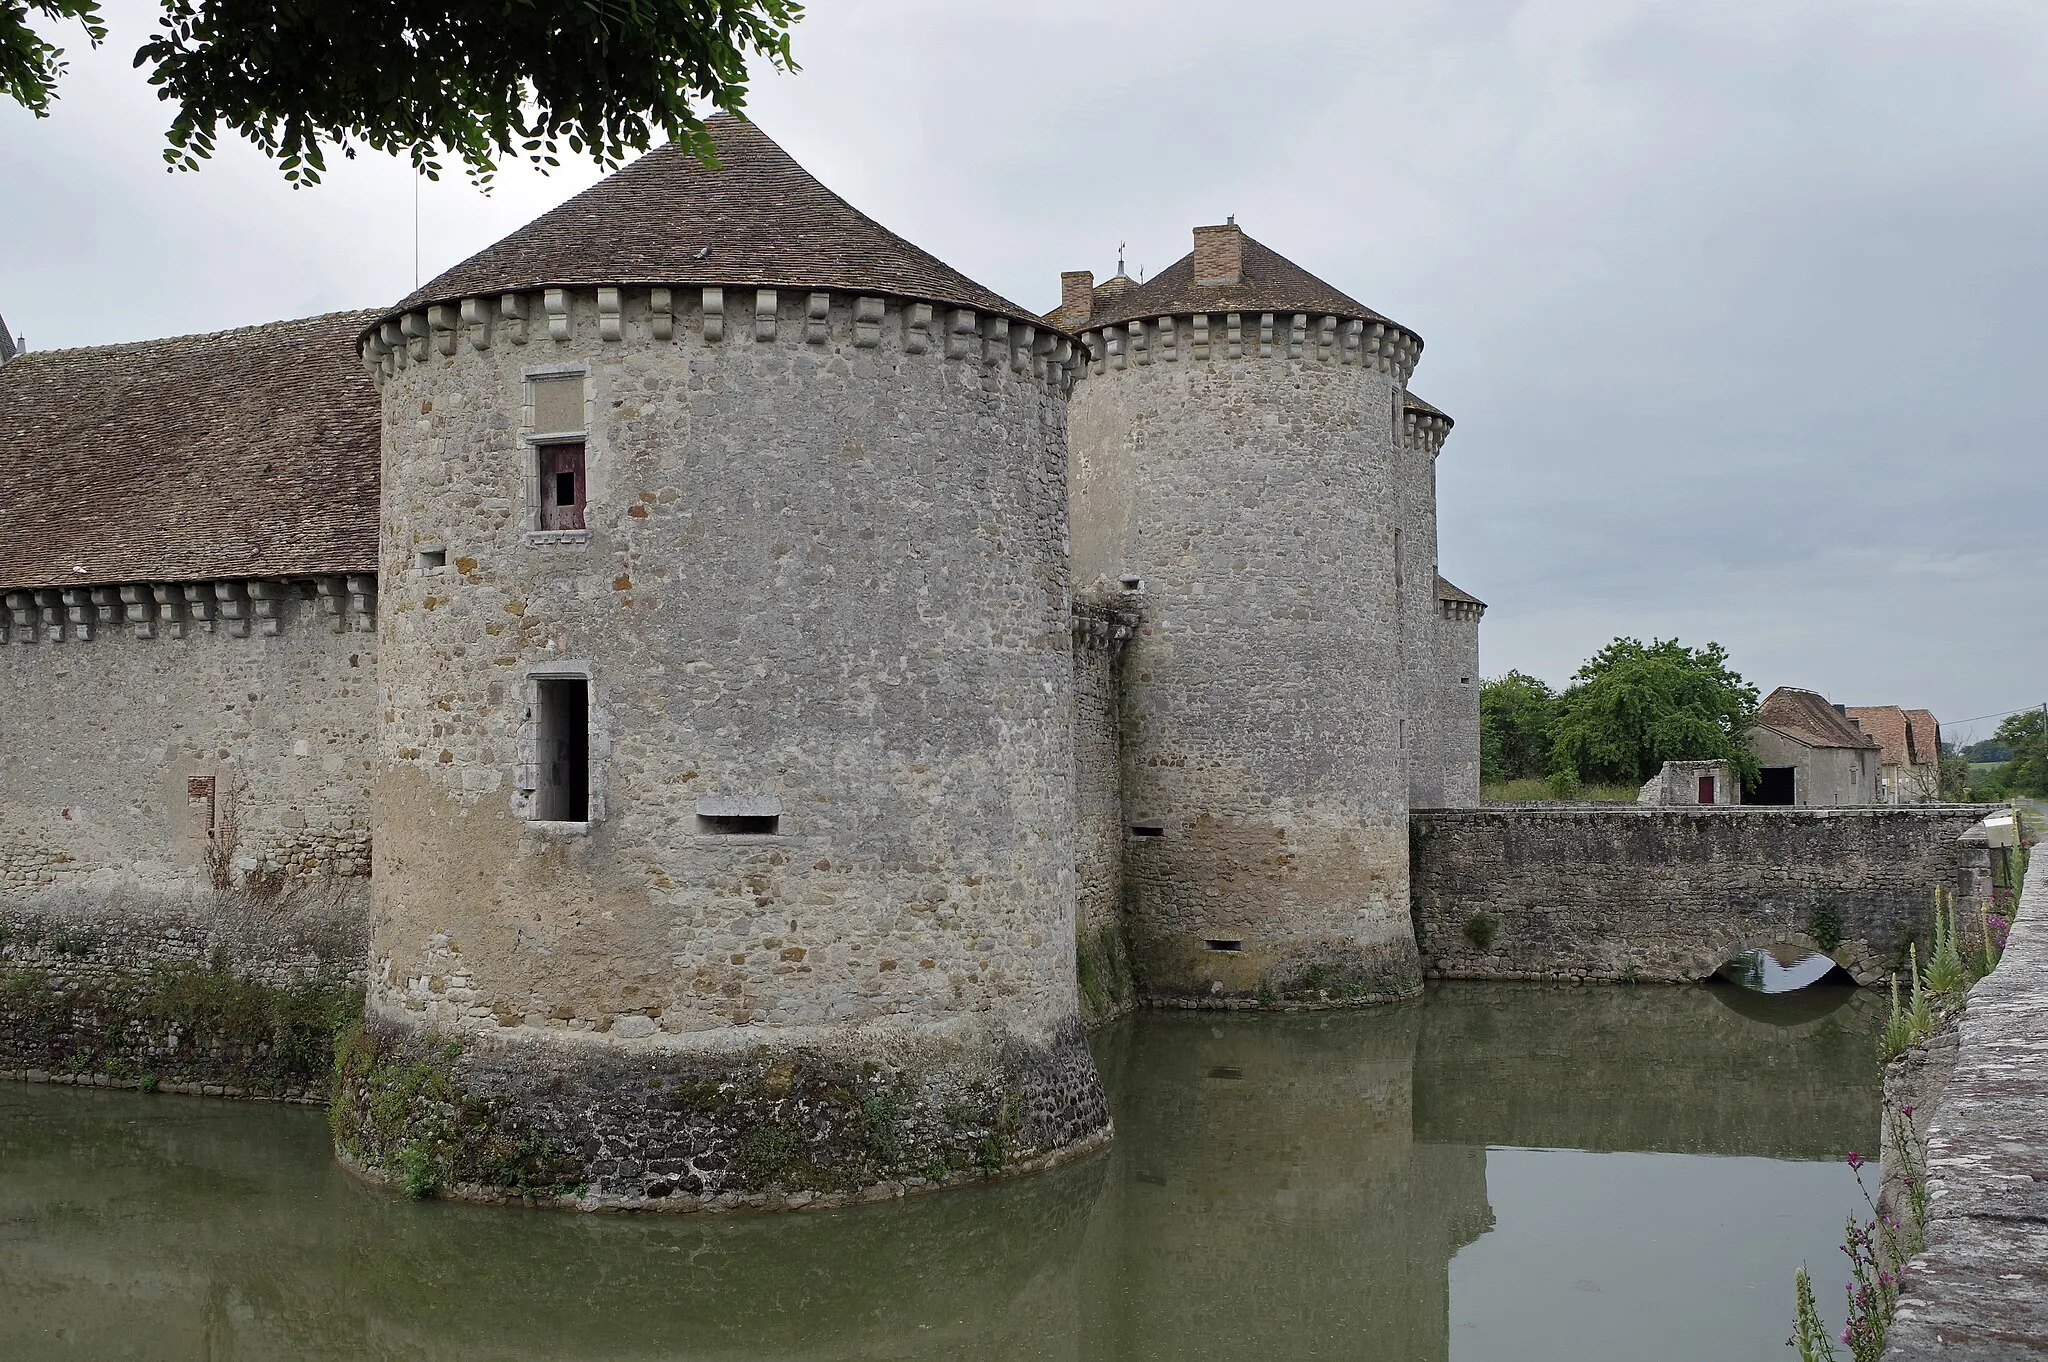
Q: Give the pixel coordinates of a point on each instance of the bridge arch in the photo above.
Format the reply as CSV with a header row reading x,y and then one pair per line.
x,y
1855,957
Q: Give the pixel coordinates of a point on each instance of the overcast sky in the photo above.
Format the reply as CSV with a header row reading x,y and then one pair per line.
x,y
1737,306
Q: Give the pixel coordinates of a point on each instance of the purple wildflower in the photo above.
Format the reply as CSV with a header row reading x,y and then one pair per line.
x,y
1855,1159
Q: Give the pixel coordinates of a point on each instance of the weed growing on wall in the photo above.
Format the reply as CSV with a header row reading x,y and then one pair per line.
x,y
1480,930
1876,1249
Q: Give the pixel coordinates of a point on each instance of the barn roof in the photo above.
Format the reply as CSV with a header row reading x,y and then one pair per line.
x,y
247,453
1807,717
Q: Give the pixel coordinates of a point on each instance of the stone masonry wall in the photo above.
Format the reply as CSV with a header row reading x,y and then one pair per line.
x,y
124,757
1668,894
823,578
1102,631
132,753
1250,483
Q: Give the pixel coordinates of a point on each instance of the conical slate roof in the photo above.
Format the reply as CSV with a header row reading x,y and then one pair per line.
x,y
1270,282
758,220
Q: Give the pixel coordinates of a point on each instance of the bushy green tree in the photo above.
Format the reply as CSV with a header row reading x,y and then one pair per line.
x,y
2027,772
476,80
1632,707
1515,715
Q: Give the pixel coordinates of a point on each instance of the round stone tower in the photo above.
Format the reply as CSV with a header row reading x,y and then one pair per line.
x,y
723,810
1238,467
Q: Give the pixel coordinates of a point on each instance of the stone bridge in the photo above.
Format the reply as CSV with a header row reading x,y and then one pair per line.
x,y
1624,892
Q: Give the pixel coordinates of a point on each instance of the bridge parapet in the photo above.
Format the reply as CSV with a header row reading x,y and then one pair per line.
x,y
1610,893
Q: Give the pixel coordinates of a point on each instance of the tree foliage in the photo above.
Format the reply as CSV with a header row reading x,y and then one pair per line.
x,y
1516,712
2026,773
475,80
1632,707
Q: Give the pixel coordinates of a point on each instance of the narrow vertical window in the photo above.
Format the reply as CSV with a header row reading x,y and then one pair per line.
x,y
561,486
562,749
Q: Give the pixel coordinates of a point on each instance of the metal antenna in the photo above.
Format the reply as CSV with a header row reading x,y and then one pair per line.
x,y
1120,256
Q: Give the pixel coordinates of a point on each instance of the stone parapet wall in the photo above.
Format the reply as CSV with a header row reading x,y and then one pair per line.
x,y
1613,893
1977,1292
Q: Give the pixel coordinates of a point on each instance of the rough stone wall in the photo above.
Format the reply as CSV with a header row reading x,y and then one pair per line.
x,y
824,573
1823,777
1256,497
1457,705
1425,740
1976,1291
1657,894
1102,630
105,737
130,754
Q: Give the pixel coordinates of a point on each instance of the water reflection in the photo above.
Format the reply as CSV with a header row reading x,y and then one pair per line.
x,y
1279,1186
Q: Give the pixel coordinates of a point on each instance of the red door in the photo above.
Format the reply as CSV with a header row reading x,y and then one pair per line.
x,y
561,487
1706,789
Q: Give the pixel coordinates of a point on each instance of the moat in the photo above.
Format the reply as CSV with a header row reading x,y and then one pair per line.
x,y
1500,1171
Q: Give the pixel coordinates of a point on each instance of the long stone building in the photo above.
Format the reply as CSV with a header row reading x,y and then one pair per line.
x,y
736,695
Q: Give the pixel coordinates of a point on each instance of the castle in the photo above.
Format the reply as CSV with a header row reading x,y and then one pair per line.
x,y
784,689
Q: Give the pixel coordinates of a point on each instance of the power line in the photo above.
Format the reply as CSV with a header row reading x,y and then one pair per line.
x,y
2000,715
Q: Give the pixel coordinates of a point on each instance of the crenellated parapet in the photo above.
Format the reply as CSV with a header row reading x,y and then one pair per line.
x,y
723,315
238,607
1223,337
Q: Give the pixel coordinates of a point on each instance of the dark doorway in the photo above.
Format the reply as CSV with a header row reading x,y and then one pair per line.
x,y
561,724
1774,785
1706,789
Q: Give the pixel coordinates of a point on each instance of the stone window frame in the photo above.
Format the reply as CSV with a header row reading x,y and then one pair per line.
x,y
531,441
526,772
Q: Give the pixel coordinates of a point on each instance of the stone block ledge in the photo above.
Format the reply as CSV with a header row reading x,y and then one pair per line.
x,y
1980,1290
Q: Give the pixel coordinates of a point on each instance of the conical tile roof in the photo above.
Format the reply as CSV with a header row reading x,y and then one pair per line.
x,y
1269,282
758,220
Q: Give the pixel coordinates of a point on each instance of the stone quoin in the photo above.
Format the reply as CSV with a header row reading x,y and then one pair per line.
x,y
775,692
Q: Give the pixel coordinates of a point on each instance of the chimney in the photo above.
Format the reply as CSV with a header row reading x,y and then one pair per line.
x,y
1842,710
1219,254
1077,296
9,347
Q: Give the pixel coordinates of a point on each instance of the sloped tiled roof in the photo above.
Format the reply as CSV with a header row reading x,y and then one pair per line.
x,y
248,453
1269,282
758,219
1926,737
1809,718
1414,403
1446,592
1887,725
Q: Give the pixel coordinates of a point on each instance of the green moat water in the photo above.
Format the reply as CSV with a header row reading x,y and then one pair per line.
x,y
1498,1172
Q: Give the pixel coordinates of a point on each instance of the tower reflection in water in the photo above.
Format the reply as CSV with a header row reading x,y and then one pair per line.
x,y
1279,1186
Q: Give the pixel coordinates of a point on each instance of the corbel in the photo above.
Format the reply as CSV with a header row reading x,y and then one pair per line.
x,y
414,327
362,602
1326,339
395,352
766,314
818,319
233,597
1139,346
1265,335
170,606
267,598
610,325
1354,338
78,612
714,314
50,605
106,604
1199,349
444,324
199,600
373,353
1233,335
1098,351
867,322
1297,336
917,328
1113,347
476,320
661,306
1169,339
555,302
21,611
960,330
512,312
995,342
333,594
